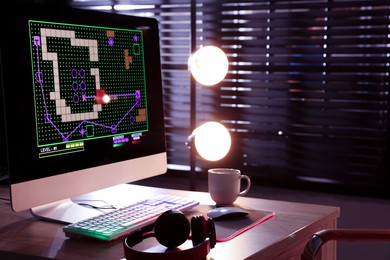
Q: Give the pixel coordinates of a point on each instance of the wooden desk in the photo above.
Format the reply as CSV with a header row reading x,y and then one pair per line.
x,y
282,237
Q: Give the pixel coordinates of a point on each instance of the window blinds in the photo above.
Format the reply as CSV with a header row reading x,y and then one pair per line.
x,y
306,98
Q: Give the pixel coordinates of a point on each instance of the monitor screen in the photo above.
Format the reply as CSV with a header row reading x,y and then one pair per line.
x,y
83,103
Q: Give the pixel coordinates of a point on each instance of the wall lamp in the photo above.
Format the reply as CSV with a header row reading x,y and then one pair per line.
x,y
208,65
212,141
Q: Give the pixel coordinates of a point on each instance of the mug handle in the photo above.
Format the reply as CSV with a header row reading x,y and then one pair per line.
x,y
248,185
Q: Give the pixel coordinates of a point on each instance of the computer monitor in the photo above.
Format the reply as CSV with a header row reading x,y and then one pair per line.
x,y
83,105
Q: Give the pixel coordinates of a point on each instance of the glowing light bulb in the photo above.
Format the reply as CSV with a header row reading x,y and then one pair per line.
x,y
212,141
208,65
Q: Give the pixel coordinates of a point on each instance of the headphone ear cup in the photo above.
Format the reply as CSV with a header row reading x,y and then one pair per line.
x,y
202,228
198,229
211,232
172,228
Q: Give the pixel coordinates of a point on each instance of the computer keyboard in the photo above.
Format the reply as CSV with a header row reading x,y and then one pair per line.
x,y
119,222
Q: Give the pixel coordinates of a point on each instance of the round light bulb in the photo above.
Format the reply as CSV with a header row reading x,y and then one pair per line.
x,y
208,65
212,141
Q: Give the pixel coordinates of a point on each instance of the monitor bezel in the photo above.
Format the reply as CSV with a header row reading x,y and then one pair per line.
x,y
27,192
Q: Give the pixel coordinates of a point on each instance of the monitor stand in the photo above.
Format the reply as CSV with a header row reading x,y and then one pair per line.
x,y
64,211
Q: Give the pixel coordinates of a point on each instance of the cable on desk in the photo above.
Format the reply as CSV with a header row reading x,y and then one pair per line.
x,y
90,205
5,198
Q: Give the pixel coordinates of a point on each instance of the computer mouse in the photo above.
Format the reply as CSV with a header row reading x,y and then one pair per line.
x,y
221,213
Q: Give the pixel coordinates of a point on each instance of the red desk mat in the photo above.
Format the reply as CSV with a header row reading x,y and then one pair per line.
x,y
229,228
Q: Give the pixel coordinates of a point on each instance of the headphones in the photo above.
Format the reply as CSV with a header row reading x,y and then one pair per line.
x,y
172,229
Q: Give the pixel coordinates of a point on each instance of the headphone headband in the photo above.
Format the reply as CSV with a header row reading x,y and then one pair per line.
x,y
197,252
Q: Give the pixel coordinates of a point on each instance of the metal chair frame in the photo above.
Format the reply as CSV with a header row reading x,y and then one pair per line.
x,y
321,237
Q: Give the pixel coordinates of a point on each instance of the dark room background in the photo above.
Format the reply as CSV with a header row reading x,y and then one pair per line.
x,y
306,98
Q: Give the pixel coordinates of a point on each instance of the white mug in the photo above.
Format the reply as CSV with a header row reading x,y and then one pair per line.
x,y
224,185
